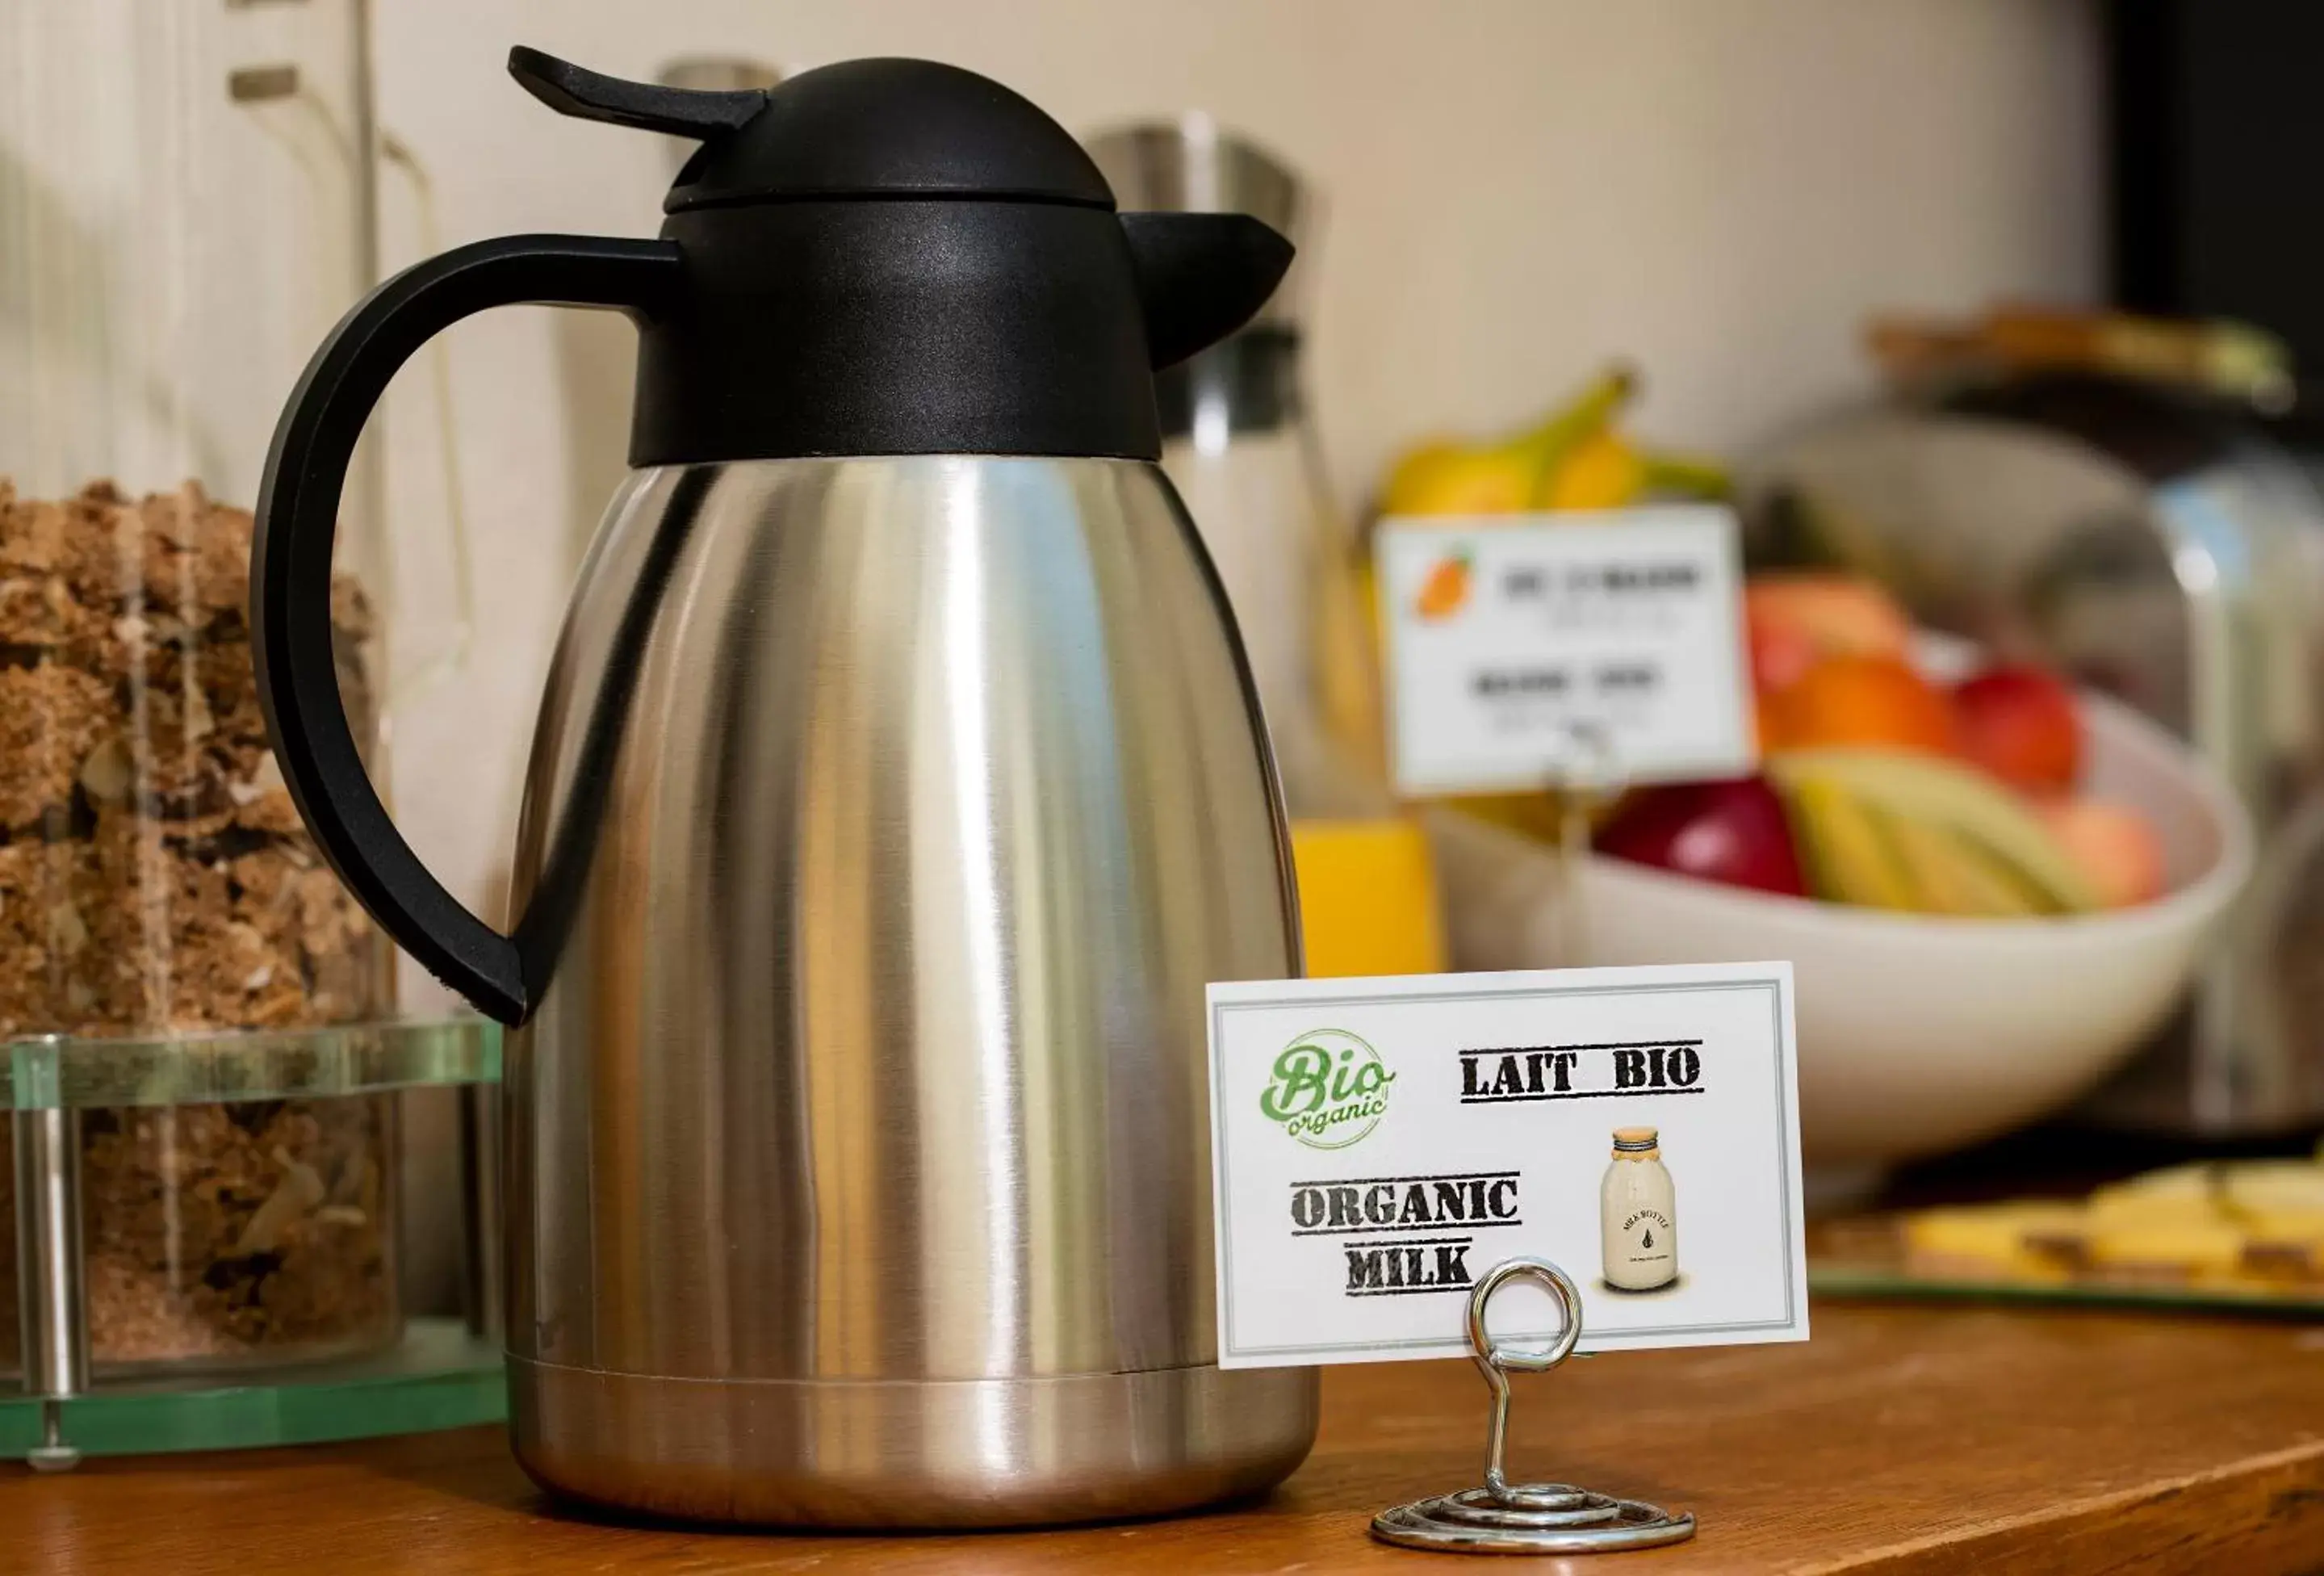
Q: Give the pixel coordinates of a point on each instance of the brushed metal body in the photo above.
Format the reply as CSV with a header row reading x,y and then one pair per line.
x,y
858,1149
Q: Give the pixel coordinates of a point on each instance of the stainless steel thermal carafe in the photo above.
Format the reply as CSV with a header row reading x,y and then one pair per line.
x,y
899,785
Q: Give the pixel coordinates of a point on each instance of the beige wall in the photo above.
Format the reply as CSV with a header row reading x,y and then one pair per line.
x,y
1720,189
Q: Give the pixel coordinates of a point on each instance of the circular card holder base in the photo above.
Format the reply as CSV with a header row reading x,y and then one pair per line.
x,y
1568,1521
1502,1517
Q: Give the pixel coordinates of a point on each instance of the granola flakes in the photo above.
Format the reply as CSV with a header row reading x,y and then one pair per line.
x,y
155,878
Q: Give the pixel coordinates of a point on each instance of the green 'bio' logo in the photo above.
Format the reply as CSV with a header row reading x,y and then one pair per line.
x,y
1329,1088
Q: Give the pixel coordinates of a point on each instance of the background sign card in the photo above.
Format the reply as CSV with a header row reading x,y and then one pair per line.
x,y
1377,1146
1505,637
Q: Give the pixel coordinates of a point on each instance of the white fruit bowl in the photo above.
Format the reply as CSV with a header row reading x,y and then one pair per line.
x,y
1917,1034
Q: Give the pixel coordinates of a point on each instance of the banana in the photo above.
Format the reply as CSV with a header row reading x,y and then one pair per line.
x,y
1451,478
1847,861
1950,838
1506,477
1573,460
1602,471
1951,875
1582,463
1605,470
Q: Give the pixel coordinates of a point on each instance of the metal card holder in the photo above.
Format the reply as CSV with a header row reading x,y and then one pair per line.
x,y
1502,1517
1498,1516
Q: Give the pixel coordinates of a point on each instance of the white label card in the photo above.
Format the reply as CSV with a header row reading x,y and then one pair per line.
x,y
1514,644
1379,1145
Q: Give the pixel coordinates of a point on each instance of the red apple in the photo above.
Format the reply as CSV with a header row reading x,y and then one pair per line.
x,y
2114,845
2017,721
1734,833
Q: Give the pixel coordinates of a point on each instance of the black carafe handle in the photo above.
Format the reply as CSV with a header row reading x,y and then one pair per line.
x,y
290,571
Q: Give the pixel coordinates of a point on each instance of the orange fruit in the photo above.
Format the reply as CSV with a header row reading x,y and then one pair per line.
x,y
1876,703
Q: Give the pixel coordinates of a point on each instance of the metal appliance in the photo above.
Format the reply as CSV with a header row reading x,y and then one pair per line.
x,y
2155,544
899,785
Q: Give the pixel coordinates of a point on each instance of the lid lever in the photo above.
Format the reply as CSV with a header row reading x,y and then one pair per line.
x,y
586,95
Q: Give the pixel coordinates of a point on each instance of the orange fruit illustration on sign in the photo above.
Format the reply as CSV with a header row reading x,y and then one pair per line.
x,y
1445,592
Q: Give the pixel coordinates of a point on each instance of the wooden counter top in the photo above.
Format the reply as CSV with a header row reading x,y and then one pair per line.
x,y
1900,1439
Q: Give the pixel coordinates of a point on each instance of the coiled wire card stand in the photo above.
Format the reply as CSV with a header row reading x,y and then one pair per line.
x,y
1502,1517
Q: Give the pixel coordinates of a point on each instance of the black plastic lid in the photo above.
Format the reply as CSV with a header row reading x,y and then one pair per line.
x,y
875,128
893,128
897,257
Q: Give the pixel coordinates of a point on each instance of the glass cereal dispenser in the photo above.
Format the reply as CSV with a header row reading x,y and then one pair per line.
x,y
195,1024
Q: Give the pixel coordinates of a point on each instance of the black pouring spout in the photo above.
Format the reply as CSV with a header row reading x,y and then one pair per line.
x,y
1200,277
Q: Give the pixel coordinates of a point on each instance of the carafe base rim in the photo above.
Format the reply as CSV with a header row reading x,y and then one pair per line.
x,y
1028,1451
